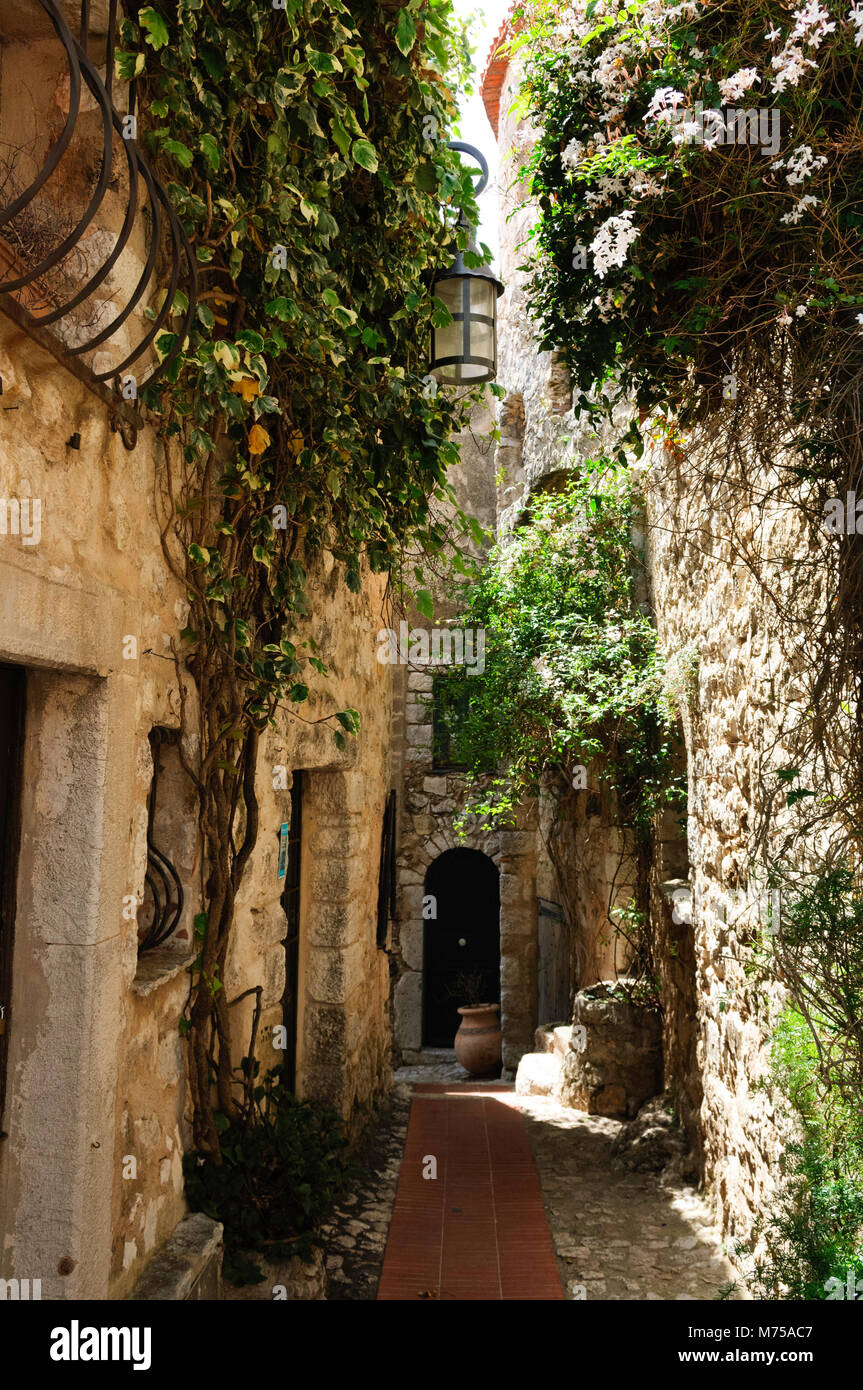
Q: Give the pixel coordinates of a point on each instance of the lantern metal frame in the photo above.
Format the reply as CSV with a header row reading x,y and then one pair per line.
x,y
459,271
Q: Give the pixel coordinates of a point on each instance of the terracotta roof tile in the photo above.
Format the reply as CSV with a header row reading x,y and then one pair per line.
x,y
496,65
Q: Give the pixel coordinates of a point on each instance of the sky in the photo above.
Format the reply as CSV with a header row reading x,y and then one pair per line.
x,y
473,126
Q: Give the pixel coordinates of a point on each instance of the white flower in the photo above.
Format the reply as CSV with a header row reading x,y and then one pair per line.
x,y
686,133
855,17
802,164
572,155
608,187
612,242
860,320
784,318
812,24
773,34
733,88
807,201
648,187
800,310
663,103
790,65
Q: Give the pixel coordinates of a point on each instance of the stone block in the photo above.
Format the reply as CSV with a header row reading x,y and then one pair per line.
x,y
537,1074
333,924
618,1063
407,1010
188,1268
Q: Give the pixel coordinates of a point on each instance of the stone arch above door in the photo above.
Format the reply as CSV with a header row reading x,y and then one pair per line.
x,y
514,853
461,939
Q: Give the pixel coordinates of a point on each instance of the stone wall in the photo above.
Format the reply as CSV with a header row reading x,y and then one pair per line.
x,y
733,680
97,1107
724,643
432,797
97,1113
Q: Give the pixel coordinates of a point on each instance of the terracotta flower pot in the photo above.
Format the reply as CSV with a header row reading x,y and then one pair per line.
x,y
477,1042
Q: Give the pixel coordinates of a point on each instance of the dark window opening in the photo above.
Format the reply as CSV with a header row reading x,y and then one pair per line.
x,y
170,804
450,709
387,871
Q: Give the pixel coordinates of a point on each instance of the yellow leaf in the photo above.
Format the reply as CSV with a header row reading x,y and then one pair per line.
x,y
296,443
258,440
247,387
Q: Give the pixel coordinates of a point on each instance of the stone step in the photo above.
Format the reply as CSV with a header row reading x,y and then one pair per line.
x,y
553,1037
538,1074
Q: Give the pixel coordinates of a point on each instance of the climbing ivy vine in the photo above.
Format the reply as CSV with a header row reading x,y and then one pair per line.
x,y
304,149
573,692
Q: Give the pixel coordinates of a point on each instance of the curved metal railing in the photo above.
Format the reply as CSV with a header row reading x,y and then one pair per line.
x,y
165,227
166,889
160,877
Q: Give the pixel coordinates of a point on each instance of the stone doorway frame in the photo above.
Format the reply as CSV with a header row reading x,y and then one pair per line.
x,y
514,854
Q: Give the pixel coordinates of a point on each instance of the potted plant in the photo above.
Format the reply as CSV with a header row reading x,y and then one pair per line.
x,y
478,1040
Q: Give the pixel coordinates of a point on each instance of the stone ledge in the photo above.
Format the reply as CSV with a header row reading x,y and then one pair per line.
x,y
157,967
188,1267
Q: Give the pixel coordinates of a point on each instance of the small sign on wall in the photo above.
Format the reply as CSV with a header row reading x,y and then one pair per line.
x,y
283,849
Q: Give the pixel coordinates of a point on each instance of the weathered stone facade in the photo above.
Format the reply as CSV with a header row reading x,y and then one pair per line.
x,y
431,798
96,1062
97,1111
728,660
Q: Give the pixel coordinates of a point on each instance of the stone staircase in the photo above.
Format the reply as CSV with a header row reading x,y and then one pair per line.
x,y
539,1072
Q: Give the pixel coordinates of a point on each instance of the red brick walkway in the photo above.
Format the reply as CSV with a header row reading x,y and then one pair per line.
x,y
477,1231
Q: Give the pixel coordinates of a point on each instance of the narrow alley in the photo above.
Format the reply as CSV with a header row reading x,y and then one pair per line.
x,y
525,1201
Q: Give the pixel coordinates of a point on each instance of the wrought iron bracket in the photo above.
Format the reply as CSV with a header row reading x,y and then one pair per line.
x,y
164,225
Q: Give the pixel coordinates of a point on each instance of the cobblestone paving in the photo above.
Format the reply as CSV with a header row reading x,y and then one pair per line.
x,y
616,1235
620,1235
356,1235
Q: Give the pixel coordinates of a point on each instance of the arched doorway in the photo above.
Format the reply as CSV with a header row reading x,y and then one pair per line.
x,y
463,939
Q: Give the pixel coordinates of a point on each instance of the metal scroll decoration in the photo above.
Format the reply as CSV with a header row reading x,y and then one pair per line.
x,y
161,877
165,226
164,884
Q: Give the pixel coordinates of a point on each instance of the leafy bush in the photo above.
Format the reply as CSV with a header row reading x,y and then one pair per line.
x,y
813,1229
677,232
278,1179
573,674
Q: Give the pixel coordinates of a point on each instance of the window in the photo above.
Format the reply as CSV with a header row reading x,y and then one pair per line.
x,y
450,707
169,808
387,874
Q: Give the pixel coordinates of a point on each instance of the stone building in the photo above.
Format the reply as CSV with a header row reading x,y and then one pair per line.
x,y
733,682
100,850
495,895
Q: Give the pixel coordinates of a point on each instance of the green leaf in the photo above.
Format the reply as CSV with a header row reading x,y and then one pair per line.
x,y
128,66
181,152
365,155
340,135
157,30
210,150
425,603
323,62
406,32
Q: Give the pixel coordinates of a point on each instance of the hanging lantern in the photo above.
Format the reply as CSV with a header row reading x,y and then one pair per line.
x,y
464,352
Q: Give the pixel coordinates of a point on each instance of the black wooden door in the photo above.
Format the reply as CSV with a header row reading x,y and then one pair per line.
x,y
12,702
291,906
461,945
